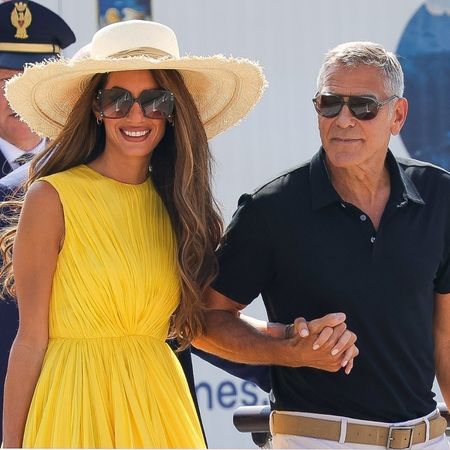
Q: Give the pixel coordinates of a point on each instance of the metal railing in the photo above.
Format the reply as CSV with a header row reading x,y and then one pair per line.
x,y
255,420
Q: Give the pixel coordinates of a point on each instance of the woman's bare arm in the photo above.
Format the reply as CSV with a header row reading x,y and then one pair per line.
x,y
36,247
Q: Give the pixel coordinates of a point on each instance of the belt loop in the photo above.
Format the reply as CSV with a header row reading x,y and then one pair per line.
x,y
427,429
271,418
343,434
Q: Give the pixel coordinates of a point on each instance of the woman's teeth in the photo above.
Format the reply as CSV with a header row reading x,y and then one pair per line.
x,y
136,133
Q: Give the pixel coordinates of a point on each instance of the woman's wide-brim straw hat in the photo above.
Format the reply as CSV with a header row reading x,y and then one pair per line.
x,y
224,89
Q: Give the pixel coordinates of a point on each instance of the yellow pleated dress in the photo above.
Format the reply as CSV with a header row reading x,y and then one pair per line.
x,y
109,379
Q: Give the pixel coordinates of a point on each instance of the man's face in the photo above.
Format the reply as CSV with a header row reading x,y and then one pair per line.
x,y
349,142
11,128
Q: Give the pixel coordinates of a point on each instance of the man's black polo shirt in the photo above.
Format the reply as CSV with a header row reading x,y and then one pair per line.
x,y
309,253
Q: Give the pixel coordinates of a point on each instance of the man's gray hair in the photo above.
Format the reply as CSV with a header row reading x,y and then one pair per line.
x,y
353,54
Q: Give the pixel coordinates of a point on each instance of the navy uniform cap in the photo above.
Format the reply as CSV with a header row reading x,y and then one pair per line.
x,y
30,33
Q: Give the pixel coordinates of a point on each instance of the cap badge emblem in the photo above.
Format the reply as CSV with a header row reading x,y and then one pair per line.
x,y
21,19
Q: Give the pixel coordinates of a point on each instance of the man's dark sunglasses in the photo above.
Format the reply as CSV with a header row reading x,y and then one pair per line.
x,y
116,103
362,107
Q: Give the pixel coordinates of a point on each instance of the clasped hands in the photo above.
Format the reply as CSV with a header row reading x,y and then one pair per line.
x,y
323,343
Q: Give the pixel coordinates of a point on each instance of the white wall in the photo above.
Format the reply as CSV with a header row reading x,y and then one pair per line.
x,y
288,38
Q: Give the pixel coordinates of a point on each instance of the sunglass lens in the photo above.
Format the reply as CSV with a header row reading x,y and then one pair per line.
x,y
115,103
363,108
328,105
157,104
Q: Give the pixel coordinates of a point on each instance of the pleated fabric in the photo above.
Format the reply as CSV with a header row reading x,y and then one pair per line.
x,y
109,379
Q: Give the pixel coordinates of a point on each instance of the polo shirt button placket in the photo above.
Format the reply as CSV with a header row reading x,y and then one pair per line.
x,y
363,218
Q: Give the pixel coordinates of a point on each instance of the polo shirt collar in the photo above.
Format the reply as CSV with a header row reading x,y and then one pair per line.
x,y
402,187
322,191
324,194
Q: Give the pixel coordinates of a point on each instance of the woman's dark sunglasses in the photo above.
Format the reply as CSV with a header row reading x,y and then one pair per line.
x,y
362,107
116,103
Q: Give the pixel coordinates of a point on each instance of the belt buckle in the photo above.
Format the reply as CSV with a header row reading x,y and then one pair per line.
x,y
411,436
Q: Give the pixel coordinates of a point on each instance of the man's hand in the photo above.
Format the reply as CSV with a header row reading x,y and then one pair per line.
x,y
328,334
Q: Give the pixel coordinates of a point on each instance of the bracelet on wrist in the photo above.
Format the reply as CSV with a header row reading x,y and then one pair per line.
x,y
289,331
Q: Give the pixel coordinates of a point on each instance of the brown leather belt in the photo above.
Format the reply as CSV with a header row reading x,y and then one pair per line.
x,y
398,437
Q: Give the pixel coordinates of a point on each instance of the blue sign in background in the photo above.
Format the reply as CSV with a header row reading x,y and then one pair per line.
x,y
117,10
424,52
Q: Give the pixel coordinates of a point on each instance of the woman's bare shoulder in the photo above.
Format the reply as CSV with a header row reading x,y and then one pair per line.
x,y
42,203
41,191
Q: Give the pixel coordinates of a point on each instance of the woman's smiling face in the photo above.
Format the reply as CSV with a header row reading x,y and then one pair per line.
x,y
134,135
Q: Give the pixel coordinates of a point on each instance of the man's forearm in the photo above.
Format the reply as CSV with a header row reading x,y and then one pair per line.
x,y
235,339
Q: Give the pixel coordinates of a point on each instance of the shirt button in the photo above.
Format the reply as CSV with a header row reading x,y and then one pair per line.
x,y
372,239
343,205
363,217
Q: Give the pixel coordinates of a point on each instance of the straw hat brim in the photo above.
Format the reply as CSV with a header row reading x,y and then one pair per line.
x,y
224,89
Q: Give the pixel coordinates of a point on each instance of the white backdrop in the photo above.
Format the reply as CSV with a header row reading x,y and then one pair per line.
x,y
288,38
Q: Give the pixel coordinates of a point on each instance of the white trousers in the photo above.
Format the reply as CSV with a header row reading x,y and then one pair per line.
x,y
301,442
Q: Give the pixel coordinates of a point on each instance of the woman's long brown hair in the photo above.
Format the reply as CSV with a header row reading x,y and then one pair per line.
x,y
181,168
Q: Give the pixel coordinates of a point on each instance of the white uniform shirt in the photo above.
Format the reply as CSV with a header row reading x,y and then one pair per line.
x,y
11,152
